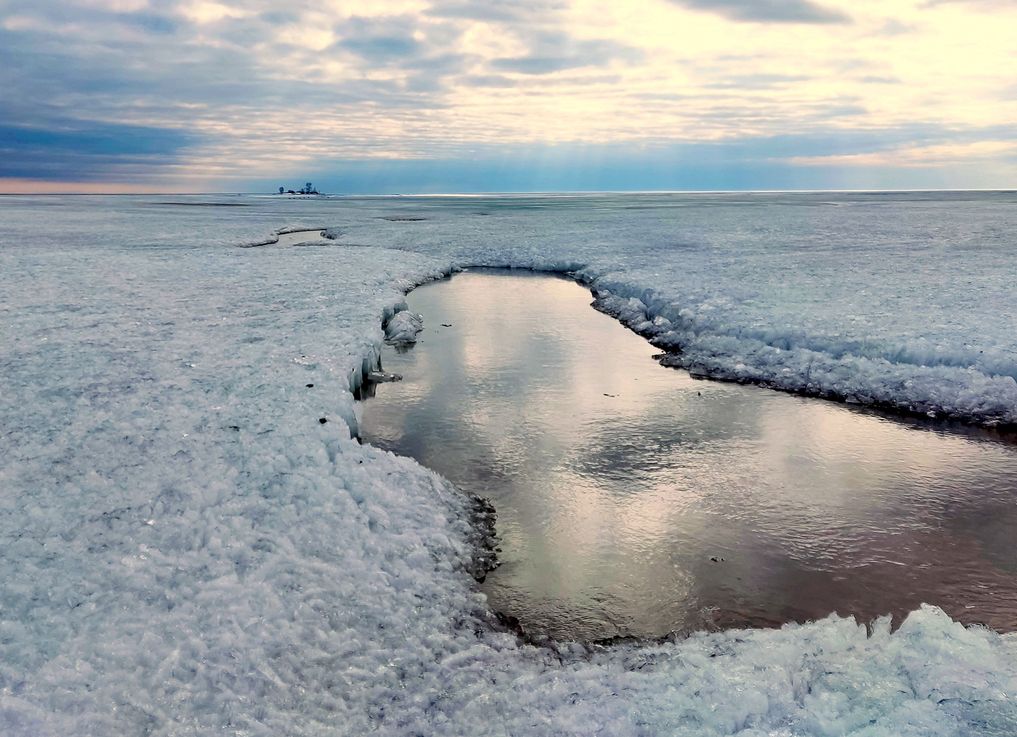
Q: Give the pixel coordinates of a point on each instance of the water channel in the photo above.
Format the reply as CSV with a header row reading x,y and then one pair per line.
x,y
634,500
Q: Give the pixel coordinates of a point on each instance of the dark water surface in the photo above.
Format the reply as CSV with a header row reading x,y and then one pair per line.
x,y
634,500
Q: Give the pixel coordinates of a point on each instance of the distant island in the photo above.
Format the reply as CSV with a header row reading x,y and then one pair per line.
x,y
308,188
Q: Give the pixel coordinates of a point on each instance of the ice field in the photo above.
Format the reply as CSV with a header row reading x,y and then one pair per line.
x,y
187,548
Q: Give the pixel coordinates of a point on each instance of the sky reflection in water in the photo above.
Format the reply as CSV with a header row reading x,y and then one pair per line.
x,y
635,500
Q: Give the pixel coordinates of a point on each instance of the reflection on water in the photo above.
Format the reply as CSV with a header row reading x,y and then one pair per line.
x,y
635,500
299,237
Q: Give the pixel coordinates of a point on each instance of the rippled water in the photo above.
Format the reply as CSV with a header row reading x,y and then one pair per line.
x,y
635,500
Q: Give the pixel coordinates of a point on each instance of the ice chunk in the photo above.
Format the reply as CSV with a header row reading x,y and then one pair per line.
x,y
403,327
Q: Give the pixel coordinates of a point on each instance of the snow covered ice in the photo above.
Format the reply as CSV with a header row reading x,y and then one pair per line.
x,y
188,550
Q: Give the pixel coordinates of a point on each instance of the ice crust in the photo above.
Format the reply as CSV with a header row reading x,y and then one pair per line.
x,y
403,327
188,550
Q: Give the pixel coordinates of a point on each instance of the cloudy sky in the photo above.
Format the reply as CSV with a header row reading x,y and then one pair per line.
x,y
464,95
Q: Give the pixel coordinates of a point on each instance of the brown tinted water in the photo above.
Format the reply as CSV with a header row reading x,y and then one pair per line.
x,y
634,500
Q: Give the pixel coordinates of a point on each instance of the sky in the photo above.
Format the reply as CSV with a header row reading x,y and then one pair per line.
x,y
418,96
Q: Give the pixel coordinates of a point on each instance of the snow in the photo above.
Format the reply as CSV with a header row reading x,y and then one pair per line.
x,y
188,549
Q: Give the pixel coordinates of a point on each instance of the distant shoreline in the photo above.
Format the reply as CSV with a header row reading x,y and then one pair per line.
x,y
574,193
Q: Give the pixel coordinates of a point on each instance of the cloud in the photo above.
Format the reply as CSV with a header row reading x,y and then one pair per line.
x,y
761,80
237,89
541,64
931,156
555,52
151,22
769,11
1004,4
879,79
423,53
489,80
380,48
87,151
507,11
895,27
380,40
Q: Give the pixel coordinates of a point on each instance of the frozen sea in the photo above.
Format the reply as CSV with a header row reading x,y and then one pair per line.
x,y
194,543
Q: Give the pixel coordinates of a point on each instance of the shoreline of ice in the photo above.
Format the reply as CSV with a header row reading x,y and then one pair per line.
x,y
278,237
945,390
948,389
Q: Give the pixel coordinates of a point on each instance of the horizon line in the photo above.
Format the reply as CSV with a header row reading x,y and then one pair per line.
x,y
496,193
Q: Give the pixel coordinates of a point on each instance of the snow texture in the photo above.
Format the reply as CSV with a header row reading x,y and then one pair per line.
x,y
188,549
